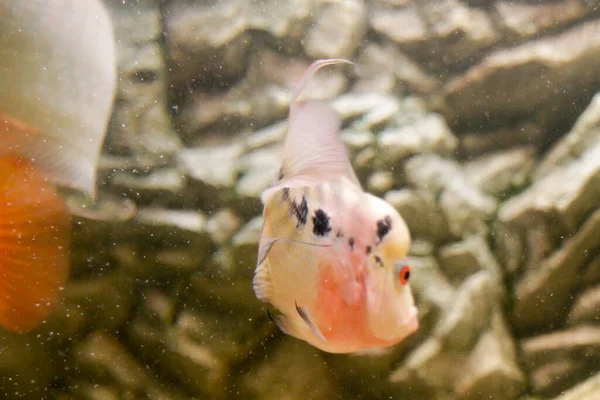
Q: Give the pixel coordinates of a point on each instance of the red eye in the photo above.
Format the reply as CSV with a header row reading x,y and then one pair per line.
x,y
404,274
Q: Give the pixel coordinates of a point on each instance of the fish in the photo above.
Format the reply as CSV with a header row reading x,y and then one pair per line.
x,y
332,258
57,84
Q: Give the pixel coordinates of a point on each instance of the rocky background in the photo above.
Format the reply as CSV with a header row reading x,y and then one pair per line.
x,y
478,120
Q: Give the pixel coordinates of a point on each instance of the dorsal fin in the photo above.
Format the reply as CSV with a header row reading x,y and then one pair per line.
x,y
313,151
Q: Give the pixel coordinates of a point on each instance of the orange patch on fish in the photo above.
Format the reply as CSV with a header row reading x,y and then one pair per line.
x,y
338,320
35,230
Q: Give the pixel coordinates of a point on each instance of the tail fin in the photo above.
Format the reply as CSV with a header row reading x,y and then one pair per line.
x,y
35,230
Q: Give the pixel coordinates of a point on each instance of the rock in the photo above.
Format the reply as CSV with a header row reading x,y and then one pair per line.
x,y
214,166
462,259
259,169
104,358
28,366
430,134
260,99
164,229
104,210
524,20
356,140
499,174
94,391
429,285
380,181
558,375
378,115
215,33
157,183
432,172
467,210
98,302
420,212
180,359
225,287
475,143
383,68
525,78
365,159
591,274
421,248
292,371
458,32
245,243
274,134
284,22
228,338
469,314
584,133
359,374
588,389
492,371
403,25
579,342
543,295
140,123
551,198
368,111
509,248
586,308
353,105
222,225
349,20
450,30
559,359
425,370
175,223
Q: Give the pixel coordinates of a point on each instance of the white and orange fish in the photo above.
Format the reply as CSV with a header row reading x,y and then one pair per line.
x,y
57,83
331,257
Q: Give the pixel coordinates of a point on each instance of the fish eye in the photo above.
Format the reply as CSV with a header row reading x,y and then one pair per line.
x,y
404,274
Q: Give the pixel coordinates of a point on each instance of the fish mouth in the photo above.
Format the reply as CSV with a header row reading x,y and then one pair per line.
x,y
412,321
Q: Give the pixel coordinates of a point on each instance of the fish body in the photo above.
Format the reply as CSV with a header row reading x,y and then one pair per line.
x,y
331,257
57,83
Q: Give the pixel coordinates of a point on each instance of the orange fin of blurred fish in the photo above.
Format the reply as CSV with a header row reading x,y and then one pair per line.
x,y
11,126
313,150
35,231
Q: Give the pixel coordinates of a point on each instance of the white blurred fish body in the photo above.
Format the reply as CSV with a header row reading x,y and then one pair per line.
x,y
57,83
331,257
57,75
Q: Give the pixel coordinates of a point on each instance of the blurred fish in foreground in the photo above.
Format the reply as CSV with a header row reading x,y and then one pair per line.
x,y
331,257
57,82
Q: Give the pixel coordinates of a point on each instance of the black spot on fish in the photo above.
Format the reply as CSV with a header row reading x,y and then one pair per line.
x,y
351,243
383,227
285,194
299,211
369,250
339,235
321,223
379,261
